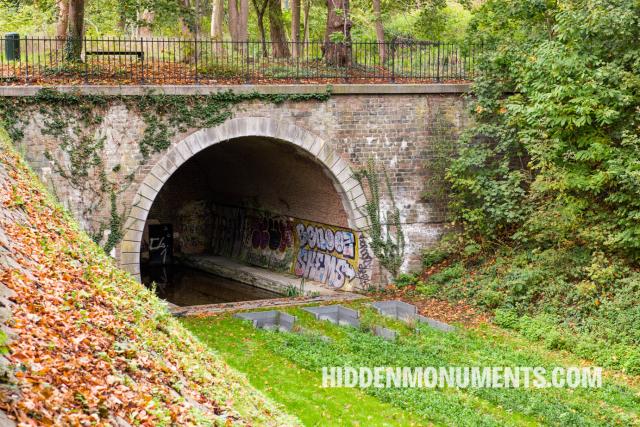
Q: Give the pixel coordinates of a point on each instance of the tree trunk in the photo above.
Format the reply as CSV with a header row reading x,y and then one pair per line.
x,y
184,22
279,46
379,31
147,18
243,21
233,20
295,28
307,8
217,19
122,18
217,23
260,8
76,30
63,21
337,37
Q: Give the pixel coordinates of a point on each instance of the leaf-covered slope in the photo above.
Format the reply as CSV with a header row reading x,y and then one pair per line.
x,y
89,345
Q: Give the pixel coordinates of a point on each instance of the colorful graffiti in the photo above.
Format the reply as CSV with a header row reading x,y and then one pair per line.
x,y
365,263
269,241
325,254
328,254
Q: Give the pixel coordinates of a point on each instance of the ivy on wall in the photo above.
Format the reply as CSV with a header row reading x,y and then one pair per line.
x,y
73,119
385,229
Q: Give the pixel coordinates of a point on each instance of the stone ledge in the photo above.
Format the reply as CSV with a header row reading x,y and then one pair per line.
x,y
336,89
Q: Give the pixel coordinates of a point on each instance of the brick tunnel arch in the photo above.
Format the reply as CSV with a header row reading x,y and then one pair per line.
x,y
341,174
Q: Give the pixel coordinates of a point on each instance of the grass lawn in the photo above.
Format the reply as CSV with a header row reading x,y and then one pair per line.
x,y
287,368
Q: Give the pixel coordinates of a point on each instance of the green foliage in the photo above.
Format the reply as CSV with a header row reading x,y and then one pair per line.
x,y
385,230
432,19
166,114
448,274
318,344
555,336
406,279
555,150
545,184
432,257
295,291
115,225
442,141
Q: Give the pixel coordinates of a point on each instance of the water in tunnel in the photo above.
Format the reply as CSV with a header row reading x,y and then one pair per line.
x,y
257,201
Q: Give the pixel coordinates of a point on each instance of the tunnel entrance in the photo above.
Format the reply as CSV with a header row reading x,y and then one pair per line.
x,y
241,212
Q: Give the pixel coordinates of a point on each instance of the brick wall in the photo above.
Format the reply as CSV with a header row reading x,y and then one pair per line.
x,y
396,130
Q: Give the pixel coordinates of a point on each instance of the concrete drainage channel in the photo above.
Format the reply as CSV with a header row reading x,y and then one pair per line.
x,y
339,315
408,313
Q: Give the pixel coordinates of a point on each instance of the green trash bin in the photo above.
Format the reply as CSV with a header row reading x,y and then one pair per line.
x,y
12,46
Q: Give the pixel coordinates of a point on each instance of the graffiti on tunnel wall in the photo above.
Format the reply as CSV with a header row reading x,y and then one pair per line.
x,y
324,253
269,241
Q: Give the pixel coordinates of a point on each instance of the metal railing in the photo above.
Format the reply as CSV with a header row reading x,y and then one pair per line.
x,y
41,60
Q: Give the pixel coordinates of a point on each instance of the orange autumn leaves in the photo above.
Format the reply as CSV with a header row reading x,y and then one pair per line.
x,y
78,356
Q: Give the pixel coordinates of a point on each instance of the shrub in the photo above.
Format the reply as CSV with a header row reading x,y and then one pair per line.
x,y
432,257
448,274
405,279
506,318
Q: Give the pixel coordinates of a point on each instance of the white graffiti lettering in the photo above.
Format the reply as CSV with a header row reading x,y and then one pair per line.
x,y
324,239
324,267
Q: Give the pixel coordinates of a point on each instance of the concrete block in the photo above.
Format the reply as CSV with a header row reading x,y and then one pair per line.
x,y
147,192
272,320
436,324
183,149
129,258
271,127
407,312
154,183
175,156
138,213
361,223
387,334
350,183
396,309
327,156
198,141
336,314
356,192
252,126
162,171
345,175
130,246
211,136
307,140
241,126
142,202
360,201
316,147
229,129
133,224
134,235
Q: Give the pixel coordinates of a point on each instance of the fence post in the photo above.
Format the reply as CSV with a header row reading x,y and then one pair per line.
x,y
195,54
295,46
347,48
26,59
142,60
86,64
247,74
393,60
438,64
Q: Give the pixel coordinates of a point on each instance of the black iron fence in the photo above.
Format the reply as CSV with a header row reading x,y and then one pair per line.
x,y
40,60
